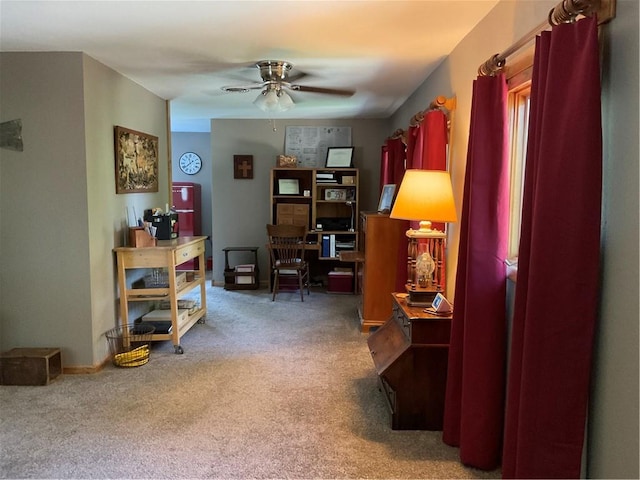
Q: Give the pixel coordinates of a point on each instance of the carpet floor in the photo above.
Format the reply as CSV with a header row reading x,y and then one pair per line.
x,y
264,389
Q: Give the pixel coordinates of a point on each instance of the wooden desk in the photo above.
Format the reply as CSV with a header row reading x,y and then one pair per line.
x,y
168,254
410,352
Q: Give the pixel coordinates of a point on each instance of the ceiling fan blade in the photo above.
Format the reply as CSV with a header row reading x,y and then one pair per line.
x,y
243,88
330,91
296,76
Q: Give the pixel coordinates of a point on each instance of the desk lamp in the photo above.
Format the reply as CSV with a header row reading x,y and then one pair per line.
x,y
425,196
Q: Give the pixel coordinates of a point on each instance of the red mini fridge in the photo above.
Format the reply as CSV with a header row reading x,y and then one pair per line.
x,y
186,203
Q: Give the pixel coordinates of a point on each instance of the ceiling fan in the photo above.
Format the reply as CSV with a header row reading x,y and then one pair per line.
x,y
275,82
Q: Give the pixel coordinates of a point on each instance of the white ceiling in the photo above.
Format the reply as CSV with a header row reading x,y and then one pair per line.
x,y
185,51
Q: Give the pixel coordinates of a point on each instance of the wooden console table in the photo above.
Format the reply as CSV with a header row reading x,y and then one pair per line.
x,y
410,352
168,254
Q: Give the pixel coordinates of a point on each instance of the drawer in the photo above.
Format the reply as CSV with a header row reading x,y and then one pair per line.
x,y
300,209
292,214
188,252
431,331
285,209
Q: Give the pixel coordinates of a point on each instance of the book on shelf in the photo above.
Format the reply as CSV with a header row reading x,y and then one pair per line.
x,y
325,245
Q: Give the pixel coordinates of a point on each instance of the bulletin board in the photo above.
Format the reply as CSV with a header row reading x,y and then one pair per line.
x,y
310,144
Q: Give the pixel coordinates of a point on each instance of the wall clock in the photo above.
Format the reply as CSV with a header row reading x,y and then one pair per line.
x,y
190,163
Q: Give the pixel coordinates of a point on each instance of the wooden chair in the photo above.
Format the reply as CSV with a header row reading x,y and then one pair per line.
x,y
286,249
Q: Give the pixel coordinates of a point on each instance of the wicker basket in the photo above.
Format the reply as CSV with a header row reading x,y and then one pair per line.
x,y
129,346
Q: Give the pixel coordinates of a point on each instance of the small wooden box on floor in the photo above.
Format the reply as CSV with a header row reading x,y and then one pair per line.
x,y
30,366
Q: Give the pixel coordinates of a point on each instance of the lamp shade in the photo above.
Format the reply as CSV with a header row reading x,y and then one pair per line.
x,y
425,195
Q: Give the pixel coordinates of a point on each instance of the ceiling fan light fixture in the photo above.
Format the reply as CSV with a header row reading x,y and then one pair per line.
x,y
273,100
285,101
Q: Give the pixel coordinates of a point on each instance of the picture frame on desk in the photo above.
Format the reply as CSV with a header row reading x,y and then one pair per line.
x,y
386,198
339,157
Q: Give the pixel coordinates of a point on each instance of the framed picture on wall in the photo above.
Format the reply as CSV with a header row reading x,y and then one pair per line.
x,y
136,161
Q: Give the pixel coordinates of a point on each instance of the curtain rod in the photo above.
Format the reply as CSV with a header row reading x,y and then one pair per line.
x,y
566,11
399,133
439,103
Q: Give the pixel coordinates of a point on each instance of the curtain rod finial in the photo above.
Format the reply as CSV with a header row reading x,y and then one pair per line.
x,y
443,102
491,66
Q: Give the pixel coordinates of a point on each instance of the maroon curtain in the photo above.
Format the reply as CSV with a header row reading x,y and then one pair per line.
x,y
434,142
434,147
558,266
392,163
474,405
414,145
385,170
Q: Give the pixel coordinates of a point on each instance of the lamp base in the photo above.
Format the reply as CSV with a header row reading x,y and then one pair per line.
x,y
421,297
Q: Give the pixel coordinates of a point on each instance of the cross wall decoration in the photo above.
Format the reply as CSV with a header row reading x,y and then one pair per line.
x,y
243,166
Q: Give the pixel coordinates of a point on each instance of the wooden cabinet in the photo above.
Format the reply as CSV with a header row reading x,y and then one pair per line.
x,y
326,201
410,353
166,256
380,244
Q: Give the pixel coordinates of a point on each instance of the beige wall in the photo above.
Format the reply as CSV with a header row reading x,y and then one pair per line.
x,y
613,422
240,208
61,217
613,425
44,226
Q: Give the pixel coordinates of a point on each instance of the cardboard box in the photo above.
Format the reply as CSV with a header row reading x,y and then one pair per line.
x,y
348,180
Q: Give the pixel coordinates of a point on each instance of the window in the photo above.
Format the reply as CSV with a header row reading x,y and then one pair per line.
x,y
519,102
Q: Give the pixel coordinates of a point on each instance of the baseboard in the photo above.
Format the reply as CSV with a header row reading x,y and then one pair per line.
x,y
83,370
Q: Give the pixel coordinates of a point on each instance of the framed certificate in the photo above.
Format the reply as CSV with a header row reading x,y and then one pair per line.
x,y
339,157
288,186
